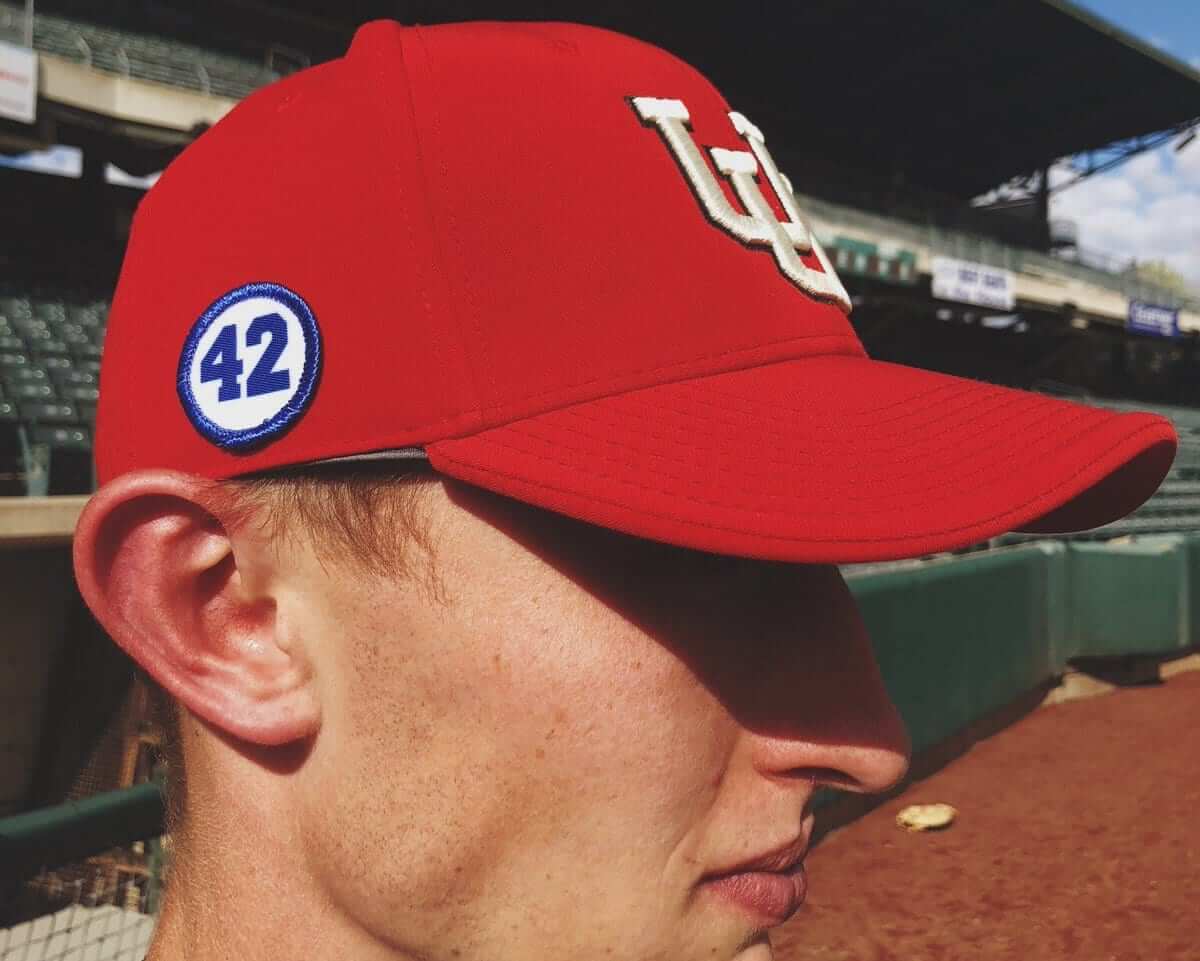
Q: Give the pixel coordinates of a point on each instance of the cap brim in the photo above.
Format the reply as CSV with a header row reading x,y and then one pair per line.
x,y
823,460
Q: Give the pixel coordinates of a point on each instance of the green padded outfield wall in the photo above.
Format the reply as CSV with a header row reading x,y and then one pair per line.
x,y
1131,598
1191,549
959,638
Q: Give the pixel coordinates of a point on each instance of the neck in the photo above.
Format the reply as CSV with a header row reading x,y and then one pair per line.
x,y
242,884
243,903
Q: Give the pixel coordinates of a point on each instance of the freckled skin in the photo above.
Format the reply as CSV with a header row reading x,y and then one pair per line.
x,y
544,763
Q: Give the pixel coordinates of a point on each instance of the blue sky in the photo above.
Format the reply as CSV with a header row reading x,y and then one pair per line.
x,y
1173,25
1149,208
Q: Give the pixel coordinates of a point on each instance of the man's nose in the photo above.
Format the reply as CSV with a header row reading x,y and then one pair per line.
x,y
823,713
866,750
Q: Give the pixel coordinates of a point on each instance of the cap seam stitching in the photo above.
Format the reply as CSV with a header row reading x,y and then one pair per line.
x,y
985,467
965,399
439,260
473,320
943,428
775,410
962,403
902,539
842,340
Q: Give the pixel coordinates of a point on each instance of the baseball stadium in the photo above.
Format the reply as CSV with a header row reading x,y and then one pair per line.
x,y
1049,683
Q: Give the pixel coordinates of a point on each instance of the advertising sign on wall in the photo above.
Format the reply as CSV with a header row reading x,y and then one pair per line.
x,y
971,283
18,82
1152,319
861,259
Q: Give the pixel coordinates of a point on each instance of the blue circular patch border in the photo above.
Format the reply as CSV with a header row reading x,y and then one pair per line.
x,y
240,440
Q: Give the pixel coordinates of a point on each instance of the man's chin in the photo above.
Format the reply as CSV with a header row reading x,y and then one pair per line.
x,y
758,950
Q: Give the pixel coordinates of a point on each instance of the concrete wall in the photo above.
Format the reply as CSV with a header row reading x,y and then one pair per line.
x,y
35,590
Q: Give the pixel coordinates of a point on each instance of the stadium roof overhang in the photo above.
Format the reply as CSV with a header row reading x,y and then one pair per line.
x,y
954,97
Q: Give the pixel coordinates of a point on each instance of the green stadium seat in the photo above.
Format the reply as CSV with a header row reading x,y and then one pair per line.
x,y
87,351
74,334
78,438
48,412
53,347
49,311
71,377
79,393
12,360
12,457
69,462
31,391
23,374
15,307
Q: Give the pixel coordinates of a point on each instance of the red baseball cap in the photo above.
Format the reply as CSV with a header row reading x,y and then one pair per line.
x,y
552,259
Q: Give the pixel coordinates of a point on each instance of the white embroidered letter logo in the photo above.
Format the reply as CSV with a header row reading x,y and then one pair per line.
x,y
758,226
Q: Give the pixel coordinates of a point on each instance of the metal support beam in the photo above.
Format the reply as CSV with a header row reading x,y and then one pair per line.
x,y
1034,187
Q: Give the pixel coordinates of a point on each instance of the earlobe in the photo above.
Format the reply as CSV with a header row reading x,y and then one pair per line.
x,y
190,598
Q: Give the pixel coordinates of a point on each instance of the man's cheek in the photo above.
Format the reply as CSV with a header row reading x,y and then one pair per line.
x,y
651,746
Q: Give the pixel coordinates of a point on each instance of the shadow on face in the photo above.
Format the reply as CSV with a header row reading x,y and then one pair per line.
x,y
780,645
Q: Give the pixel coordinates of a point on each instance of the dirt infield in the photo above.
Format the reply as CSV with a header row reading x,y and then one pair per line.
x,y
1078,836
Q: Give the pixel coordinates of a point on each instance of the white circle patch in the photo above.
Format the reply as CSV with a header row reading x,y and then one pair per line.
x,y
249,365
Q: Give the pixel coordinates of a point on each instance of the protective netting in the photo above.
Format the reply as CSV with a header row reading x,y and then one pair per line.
x,y
101,909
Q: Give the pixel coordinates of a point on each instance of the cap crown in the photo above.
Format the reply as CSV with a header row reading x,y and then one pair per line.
x,y
484,226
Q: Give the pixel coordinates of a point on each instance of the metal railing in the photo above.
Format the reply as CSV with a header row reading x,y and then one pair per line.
x,y
138,56
984,250
48,837
82,881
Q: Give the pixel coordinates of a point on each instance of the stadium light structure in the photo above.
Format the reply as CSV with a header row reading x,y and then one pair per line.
x,y
1022,188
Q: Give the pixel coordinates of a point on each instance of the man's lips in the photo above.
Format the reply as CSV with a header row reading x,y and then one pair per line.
x,y
772,885
773,896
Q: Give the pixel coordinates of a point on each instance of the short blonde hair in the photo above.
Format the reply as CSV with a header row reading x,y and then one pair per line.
x,y
365,516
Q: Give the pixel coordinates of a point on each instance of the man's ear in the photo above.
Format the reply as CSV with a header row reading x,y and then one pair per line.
x,y
190,598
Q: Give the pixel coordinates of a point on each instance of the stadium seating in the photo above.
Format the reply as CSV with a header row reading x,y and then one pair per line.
x,y
50,345
1176,505
138,55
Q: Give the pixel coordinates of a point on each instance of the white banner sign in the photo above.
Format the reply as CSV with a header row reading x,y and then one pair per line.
x,y
971,283
18,82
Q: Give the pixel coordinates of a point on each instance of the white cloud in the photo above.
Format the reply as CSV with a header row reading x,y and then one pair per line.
x,y
1187,161
1148,172
63,161
1146,209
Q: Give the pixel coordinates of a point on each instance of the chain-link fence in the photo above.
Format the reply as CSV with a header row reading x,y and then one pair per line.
x,y
100,909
